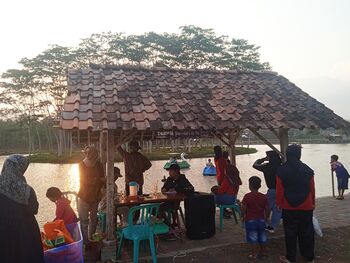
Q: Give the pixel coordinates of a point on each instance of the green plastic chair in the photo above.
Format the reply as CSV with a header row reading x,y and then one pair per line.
x,y
142,230
235,209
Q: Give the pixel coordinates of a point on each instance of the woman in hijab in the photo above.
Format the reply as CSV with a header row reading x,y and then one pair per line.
x,y
91,181
20,239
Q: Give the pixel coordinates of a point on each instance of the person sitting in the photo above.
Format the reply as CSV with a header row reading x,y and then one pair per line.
x,y
63,209
226,193
209,163
175,183
122,212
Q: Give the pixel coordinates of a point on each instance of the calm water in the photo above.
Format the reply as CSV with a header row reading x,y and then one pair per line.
x,y
65,176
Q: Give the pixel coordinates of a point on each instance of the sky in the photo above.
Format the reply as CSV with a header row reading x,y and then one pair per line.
x,y
307,41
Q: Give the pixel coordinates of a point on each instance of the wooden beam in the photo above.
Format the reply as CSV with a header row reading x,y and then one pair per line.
x,y
233,135
225,142
89,139
110,186
257,134
283,135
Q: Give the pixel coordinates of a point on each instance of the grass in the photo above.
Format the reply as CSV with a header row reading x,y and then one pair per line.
x,y
157,154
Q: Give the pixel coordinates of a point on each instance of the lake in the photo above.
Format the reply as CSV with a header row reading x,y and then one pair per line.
x,y
66,176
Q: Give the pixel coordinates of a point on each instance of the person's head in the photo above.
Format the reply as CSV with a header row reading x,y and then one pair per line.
x,y
116,173
53,193
293,152
273,157
217,151
134,146
15,166
334,158
209,160
12,181
174,170
91,153
225,154
254,183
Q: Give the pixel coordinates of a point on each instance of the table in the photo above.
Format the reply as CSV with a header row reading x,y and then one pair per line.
x,y
154,198
148,199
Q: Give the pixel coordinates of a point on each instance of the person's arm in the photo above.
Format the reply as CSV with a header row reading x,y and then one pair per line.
x,y
59,210
259,164
167,185
244,209
121,151
279,192
312,190
33,205
223,188
146,164
184,187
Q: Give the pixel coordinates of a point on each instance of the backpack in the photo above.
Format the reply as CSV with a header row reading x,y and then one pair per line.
x,y
232,174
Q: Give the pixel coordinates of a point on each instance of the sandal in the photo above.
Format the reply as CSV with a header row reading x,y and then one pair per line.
x,y
262,256
284,260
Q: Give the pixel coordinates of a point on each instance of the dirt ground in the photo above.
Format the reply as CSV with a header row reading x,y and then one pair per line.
x,y
333,247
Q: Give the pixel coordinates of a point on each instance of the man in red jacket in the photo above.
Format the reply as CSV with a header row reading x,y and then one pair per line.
x,y
295,195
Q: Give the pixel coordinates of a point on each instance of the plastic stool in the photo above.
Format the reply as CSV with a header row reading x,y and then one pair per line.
x,y
235,209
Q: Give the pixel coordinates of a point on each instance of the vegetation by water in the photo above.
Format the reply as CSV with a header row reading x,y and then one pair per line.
x,y
157,154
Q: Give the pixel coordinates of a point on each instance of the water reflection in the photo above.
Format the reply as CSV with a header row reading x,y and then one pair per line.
x,y
66,176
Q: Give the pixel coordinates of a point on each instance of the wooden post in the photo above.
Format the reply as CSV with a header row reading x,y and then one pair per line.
x,y
233,135
332,176
103,149
110,187
283,135
70,143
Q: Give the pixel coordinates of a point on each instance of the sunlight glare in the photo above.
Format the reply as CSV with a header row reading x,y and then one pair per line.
x,y
73,178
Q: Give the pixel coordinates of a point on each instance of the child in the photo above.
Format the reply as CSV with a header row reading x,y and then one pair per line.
x,y
209,163
63,209
255,210
342,176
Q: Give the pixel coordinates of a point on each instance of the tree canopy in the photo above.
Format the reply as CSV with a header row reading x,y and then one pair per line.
x,y
37,90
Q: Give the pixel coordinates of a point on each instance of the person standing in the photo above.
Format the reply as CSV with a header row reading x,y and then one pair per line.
x,y
20,239
135,165
269,165
295,195
255,212
91,181
342,175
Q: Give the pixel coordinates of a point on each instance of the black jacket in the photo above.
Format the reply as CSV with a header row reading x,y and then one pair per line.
x,y
181,185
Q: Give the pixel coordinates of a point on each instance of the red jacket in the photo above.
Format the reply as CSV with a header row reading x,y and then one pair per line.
x,y
64,211
308,204
227,187
220,165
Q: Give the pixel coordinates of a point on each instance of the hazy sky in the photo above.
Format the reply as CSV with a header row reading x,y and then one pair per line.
x,y
307,41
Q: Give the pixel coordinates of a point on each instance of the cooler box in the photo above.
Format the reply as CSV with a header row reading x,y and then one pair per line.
x,y
71,253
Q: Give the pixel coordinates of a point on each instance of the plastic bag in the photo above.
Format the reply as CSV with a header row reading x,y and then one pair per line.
x,y
317,226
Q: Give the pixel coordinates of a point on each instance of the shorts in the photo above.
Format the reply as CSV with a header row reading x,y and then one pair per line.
x,y
255,231
343,182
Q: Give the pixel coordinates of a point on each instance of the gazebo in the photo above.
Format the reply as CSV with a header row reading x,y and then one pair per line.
x,y
109,104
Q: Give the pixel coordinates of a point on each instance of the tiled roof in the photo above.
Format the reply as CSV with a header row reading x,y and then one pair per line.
x,y
160,99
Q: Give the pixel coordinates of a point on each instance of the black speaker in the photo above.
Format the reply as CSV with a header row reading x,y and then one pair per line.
x,y
200,216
